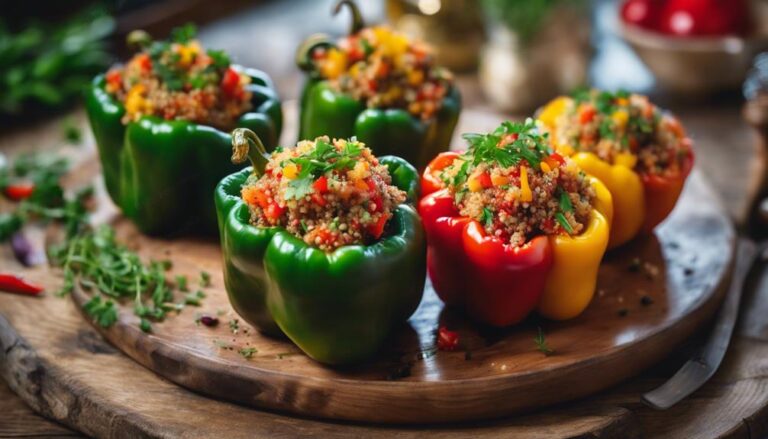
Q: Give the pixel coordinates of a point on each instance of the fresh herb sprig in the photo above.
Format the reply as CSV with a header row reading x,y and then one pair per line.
x,y
541,343
320,160
529,145
48,201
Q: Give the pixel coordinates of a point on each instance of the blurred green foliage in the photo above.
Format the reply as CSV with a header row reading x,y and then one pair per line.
x,y
524,17
46,66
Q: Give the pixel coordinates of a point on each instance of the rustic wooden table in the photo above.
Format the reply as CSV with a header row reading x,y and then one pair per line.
x,y
733,404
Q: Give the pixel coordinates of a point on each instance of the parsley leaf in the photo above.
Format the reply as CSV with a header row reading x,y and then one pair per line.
x,y
184,34
565,201
564,222
487,217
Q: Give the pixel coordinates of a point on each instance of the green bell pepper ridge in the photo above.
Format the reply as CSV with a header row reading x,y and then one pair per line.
x,y
337,307
392,131
162,173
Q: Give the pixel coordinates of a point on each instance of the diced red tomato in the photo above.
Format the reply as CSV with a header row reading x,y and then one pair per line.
x,y
377,229
321,185
114,80
485,180
557,158
587,114
144,62
273,211
18,192
371,184
447,340
230,83
318,199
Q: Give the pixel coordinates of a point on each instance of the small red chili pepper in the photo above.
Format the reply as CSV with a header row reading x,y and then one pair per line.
x,y
447,340
19,191
10,283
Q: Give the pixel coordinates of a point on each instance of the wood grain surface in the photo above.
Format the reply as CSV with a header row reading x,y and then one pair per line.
x,y
497,373
64,371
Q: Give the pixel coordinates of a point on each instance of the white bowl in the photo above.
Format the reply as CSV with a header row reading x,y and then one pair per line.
x,y
697,64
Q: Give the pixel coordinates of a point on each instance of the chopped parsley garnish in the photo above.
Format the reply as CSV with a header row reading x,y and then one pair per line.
x,y
323,158
247,353
541,343
528,144
184,34
487,218
563,221
565,201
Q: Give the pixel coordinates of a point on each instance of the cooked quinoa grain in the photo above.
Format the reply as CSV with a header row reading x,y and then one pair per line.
x,y
517,187
385,69
178,80
622,128
329,194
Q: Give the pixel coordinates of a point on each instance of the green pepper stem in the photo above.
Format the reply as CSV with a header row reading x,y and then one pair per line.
x,y
304,52
357,18
246,145
138,39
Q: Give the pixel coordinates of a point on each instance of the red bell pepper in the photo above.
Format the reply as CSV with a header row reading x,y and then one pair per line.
x,y
661,192
430,179
497,283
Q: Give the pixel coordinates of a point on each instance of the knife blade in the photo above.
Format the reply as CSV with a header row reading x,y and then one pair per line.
x,y
700,368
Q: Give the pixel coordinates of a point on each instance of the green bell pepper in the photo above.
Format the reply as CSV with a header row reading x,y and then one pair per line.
x,y
162,173
392,131
337,307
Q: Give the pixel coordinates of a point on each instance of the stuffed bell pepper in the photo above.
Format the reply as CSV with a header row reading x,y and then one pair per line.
x,y
641,153
158,123
379,86
512,227
320,243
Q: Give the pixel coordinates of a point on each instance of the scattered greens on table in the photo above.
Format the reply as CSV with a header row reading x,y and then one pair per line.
x,y
92,258
47,66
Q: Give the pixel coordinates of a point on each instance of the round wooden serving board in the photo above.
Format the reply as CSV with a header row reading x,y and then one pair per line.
x,y
496,373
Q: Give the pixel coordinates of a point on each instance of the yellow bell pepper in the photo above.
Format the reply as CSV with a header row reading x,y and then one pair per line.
x,y
628,195
571,282
622,181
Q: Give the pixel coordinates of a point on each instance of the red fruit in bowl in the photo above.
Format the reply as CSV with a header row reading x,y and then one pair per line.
x,y
705,17
643,13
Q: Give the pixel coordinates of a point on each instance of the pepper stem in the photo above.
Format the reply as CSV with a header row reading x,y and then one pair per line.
x,y
246,145
138,39
357,18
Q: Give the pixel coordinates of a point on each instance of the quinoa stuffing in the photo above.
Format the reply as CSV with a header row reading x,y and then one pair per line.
x,y
512,182
622,128
179,80
385,69
328,193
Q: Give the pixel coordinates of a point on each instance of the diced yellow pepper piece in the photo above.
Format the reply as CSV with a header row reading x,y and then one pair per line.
x,y
499,180
334,64
526,196
473,184
134,100
620,118
290,171
545,167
